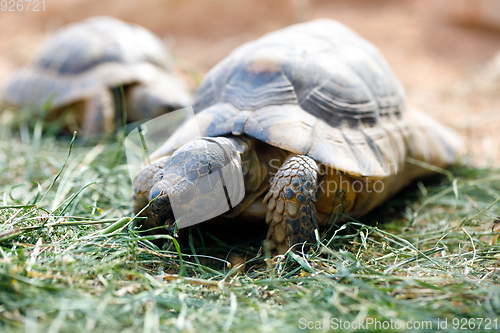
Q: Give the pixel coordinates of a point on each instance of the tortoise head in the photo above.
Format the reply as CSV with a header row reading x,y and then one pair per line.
x,y
202,180
155,98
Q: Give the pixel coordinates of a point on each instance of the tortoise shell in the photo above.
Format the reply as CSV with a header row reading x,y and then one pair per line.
x,y
85,57
317,89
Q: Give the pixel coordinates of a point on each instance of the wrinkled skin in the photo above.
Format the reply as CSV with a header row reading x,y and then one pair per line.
x,y
190,181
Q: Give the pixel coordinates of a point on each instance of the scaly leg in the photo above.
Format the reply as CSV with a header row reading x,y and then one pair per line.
x,y
99,114
291,204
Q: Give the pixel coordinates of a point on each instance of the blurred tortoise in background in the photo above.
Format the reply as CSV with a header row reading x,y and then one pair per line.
x,y
79,71
313,117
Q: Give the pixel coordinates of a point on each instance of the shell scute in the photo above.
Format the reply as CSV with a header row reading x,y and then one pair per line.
x,y
315,89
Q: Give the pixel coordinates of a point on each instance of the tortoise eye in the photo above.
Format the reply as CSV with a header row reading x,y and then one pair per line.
x,y
170,108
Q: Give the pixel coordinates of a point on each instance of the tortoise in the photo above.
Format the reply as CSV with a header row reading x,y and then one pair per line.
x,y
80,70
315,120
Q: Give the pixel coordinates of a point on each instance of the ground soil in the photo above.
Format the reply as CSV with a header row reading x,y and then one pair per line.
x,y
442,63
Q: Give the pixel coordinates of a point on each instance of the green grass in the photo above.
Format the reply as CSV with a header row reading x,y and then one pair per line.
x,y
429,253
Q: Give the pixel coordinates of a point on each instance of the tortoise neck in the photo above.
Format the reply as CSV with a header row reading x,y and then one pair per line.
x,y
259,161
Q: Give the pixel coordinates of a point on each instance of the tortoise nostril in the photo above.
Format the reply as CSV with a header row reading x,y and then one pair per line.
x,y
158,176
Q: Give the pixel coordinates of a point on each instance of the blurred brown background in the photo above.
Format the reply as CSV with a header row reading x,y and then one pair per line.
x,y
442,50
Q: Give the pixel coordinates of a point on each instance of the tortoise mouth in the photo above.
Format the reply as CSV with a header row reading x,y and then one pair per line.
x,y
161,209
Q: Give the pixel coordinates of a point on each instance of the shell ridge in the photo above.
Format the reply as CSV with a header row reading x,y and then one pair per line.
x,y
316,88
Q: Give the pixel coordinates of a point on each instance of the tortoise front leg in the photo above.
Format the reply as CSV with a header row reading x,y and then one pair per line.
x,y
291,203
99,114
